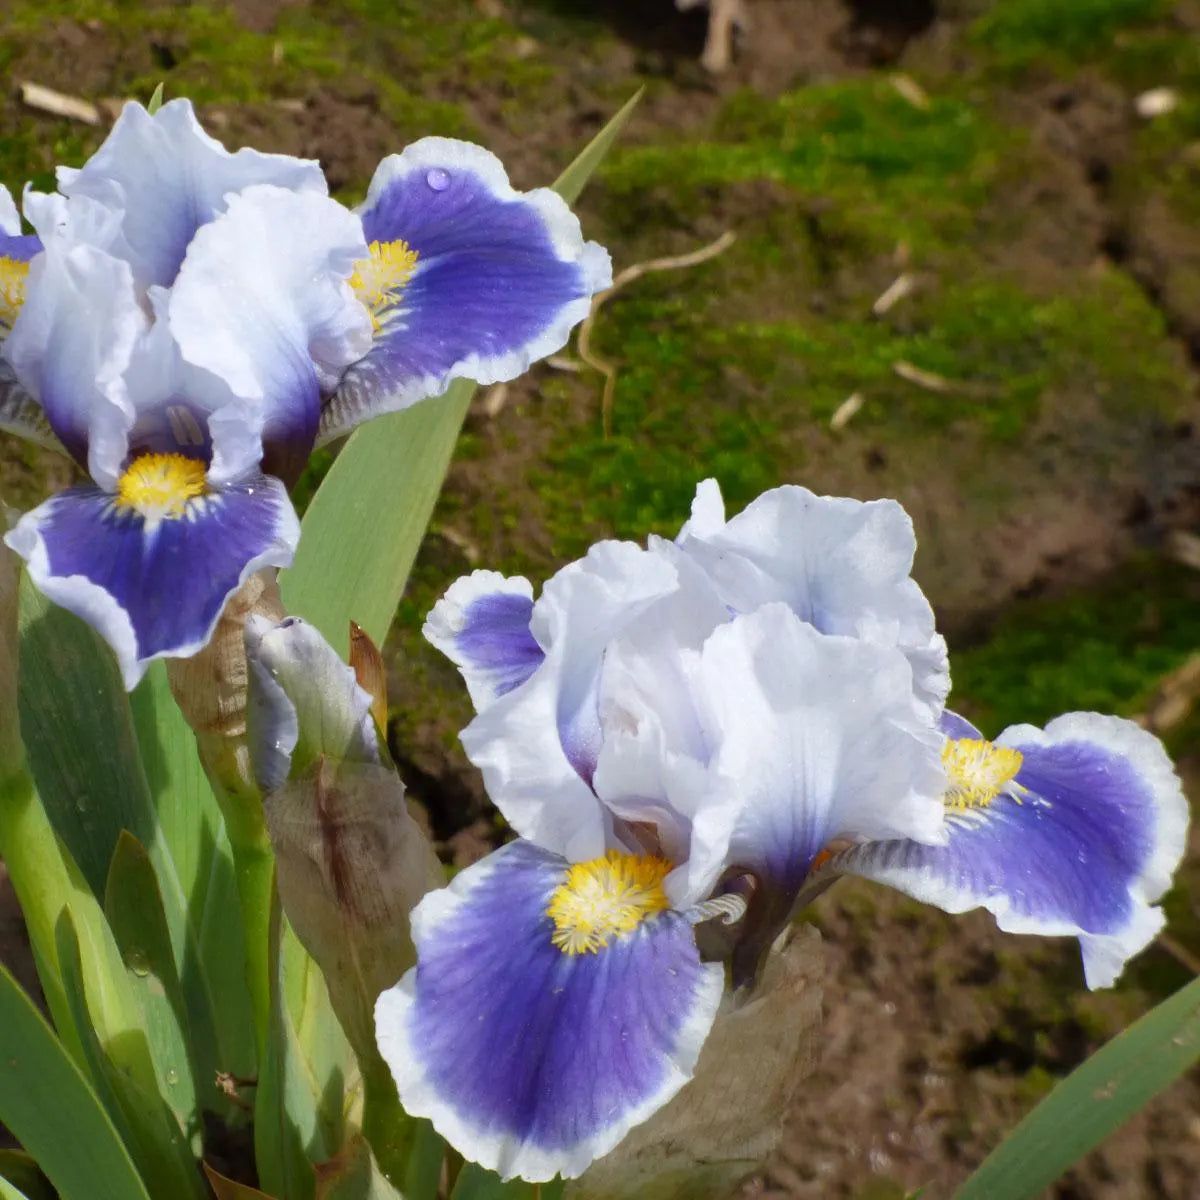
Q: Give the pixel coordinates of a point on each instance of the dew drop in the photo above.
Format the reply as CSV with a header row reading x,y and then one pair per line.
x,y
138,962
172,1076
438,179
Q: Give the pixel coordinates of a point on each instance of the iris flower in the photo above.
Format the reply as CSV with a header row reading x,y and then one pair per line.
x,y
702,731
194,322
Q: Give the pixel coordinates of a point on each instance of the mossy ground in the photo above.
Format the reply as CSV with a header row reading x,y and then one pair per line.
x,y
1042,470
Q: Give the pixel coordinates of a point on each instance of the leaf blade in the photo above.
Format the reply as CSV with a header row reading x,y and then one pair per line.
x,y
1092,1101
51,1109
570,184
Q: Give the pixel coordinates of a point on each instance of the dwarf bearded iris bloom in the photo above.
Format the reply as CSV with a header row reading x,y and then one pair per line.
x,y
741,713
195,322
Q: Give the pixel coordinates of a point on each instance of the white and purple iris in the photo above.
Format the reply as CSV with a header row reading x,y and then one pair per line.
x,y
189,323
693,730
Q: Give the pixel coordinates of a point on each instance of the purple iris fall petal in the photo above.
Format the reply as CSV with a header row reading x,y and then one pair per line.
x,y
1082,840
154,587
531,1060
482,626
498,281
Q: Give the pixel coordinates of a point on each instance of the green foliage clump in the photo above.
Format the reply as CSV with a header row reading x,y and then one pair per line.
x,y
889,170
1105,650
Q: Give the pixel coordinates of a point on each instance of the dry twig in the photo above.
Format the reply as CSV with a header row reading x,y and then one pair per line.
x,y
903,285
676,262
908,88
1174,697
933,382
1184,548
1180,953
59,104
847,409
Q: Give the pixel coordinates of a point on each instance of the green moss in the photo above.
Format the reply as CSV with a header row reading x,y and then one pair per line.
x,y
888,170
1023,33
1103,651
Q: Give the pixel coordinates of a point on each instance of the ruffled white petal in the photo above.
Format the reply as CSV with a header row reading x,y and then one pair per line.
x,y
166,177
262,299
71,346
537,745
824,738
10,219
842,565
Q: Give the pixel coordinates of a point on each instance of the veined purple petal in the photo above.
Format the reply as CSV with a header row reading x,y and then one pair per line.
x,y
1082,842
482,625
154,588
532,1061
501,278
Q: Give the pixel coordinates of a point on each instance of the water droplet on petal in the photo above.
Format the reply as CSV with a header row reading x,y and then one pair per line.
x,y
438,179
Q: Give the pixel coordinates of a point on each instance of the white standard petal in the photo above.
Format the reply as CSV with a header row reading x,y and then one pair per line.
x,y
10,219
71,347
537,745
824,738
167,177
265,284
842,565
262,302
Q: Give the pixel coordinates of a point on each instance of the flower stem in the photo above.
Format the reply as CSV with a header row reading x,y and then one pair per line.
x,y
226,764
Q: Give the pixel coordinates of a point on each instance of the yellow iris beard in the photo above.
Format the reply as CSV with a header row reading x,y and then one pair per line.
x,y
160,485
604,898
978,771
13,274
378,281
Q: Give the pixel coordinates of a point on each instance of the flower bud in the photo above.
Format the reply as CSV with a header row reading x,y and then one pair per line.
x,y
351,862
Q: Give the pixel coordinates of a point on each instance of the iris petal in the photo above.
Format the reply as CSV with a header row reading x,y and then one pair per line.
x,y
154,588
842,565
501,277
824,736
537,745
167,177
482,626
530,1060
71,346
262,302
1083,846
